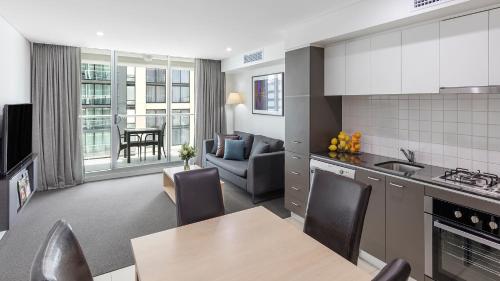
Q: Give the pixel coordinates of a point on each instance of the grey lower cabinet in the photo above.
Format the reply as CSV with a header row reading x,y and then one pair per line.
x,y
373,237
405,224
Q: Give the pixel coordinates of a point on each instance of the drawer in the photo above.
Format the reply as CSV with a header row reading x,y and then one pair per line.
x,y
296,162
295,204
298,179
296,191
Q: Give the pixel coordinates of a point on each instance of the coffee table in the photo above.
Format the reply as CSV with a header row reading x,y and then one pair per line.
x,y
168,179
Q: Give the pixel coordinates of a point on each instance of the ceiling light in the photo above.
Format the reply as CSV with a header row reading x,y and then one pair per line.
x,y
229,49
99,33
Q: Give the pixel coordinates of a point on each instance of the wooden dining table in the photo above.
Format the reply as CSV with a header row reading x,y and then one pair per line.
x,y
253,244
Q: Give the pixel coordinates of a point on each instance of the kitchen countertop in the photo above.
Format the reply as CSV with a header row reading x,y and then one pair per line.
x,y
368,161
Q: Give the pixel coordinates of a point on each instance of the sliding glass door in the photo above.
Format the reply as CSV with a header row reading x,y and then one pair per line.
x,y
146,109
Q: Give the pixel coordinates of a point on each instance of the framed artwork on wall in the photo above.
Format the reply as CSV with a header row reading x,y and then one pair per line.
x,y
267,94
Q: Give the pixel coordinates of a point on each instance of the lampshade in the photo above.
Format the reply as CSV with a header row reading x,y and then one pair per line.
x,y
234,98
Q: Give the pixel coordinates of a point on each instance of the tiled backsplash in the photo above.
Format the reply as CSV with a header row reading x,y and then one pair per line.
x,y
452,130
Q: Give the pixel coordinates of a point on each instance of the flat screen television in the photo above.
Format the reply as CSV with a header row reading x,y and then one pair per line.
x,y
16,135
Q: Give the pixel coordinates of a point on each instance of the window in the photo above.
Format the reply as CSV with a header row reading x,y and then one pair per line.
x,y
100,72
155,85
180,126
180,86
155,121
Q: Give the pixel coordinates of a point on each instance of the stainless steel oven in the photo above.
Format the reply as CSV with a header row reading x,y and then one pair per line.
x,y
461,244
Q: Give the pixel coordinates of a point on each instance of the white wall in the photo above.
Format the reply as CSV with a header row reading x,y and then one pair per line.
x,y
244,120
14,66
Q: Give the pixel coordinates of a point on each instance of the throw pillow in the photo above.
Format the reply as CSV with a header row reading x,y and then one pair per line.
x,y
221,141
248,138
216,143
234,150
259,148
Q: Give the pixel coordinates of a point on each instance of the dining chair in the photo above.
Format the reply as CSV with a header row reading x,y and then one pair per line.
x,y
336,212
396,270
198,195
149,139
133,143
60,258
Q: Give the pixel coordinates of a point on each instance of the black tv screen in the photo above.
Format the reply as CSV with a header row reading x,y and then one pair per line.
x,y
17,135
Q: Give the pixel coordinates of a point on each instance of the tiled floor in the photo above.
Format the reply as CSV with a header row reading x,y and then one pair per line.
x,y
124,274
128,273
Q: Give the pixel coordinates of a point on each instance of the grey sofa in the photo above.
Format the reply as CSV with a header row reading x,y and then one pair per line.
x,y
259,174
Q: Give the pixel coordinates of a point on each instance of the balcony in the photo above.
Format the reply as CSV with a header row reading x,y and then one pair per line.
x,y
100,142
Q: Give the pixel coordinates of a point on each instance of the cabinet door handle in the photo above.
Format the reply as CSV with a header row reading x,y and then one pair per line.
x,y
295,204
297,142
294,173
295,188
373,179
396,185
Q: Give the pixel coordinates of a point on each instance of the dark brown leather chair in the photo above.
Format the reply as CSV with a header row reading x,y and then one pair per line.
x,y
336,212
60,258
198,195
396,270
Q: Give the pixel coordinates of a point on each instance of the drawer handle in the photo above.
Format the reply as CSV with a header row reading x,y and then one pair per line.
x,y
296,157
294,173
373,179
295,188
295,204
297,142
396,185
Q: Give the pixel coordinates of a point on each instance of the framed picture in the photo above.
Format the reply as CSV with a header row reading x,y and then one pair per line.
x,y
267,94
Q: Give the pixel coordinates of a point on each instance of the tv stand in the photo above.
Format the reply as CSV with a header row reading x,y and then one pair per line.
x,y
10,207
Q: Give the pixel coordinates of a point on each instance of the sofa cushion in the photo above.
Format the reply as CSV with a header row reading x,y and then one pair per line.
x,y
234,150
248,138
221,141
214,147
274,144
260,148
238,168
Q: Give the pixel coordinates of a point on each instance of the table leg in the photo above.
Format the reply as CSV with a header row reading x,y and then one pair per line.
x,y
128,147
154,146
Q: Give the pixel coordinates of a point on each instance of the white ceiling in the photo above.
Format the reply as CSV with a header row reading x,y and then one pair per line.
x,y
187,28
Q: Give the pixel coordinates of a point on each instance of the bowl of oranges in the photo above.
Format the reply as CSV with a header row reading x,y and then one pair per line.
x,y
344,143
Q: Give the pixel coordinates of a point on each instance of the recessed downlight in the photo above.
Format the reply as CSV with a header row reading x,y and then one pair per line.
x,y
229,49
99,33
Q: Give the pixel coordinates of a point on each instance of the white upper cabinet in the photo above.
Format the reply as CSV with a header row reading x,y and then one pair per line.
x,y
335,70
386,64
463,51
420,59
494,47
358,67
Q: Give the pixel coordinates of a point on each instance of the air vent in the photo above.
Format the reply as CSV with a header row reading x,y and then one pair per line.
x,y
419,4
253,57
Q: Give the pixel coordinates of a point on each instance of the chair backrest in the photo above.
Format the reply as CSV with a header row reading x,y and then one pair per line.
x,y
336,212
396,270
198,195
60,257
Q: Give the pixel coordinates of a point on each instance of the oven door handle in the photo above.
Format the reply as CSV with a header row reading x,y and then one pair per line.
x,y
466,235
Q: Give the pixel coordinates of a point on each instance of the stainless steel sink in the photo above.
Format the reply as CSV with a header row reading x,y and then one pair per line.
x,y
398,166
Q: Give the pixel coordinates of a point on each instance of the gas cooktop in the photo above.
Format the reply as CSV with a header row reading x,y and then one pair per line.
x,y
476,182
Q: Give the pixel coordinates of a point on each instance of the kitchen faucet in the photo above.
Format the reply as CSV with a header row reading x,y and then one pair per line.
x,y
410,155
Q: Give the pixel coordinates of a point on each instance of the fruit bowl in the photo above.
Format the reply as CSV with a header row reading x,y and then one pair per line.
x,y
344,143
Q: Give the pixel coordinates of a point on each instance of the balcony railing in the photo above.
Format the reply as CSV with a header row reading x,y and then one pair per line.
x,y
97,132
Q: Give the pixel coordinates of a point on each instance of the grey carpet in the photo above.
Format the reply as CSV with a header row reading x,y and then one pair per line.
x,y
105,216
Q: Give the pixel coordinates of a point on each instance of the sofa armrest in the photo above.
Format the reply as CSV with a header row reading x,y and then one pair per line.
x,y
207,148
266,172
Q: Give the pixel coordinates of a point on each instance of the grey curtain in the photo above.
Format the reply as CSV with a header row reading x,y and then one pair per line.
x,y
210,85
55,93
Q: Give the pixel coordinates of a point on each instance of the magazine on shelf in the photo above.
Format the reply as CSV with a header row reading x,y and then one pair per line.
x,y
23,188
